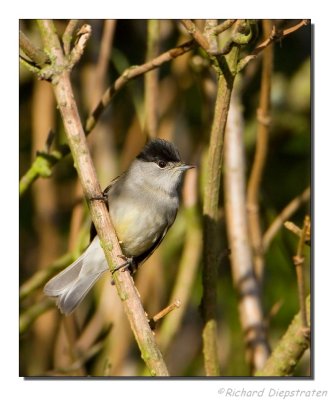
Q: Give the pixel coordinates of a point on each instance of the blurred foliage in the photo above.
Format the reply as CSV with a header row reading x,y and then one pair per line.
x,y
186,91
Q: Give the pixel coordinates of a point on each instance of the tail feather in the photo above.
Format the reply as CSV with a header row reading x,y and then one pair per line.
x,y
72,295
70,286
65,278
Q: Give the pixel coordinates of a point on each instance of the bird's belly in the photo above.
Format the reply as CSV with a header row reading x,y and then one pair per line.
x,y
136,233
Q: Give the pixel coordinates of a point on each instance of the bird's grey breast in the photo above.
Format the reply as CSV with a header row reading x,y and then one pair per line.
x,y
140,215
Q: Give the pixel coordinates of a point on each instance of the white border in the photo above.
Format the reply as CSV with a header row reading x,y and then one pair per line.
x,y
321,16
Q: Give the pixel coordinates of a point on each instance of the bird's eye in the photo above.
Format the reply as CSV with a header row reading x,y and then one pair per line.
x,y
162,164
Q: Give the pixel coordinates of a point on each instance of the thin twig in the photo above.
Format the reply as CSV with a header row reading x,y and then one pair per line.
x,y
78,49
100,216
79,362
196,33
132,73
283,216
29,65
104,59
164,312
42,166
151,80
245,282
223,26
34,53
28,317
68,35
263,120
274,36
100,81
42,276
189,262
298,260
103,156
44,170
297,231
289,350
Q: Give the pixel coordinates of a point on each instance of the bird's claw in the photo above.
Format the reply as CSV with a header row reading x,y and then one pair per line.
x,y
129,264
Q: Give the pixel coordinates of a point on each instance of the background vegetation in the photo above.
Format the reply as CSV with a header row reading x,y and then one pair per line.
x,y
175,101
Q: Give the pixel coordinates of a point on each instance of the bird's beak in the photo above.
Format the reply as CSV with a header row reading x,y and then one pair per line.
x,y
184,167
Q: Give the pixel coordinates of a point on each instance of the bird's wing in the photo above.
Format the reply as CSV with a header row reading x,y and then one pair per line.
x,y
107,189
93,232
142,257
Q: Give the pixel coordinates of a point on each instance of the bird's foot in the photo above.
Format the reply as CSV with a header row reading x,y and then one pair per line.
x,y
129,264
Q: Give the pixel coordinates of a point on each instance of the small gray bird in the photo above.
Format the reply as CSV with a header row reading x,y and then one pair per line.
x,y
143,204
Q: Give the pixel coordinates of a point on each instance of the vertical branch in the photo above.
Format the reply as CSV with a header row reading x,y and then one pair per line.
x,y
103,60
263,119
211,249
100,216
241,260
103,148
151,79
298,260
45,202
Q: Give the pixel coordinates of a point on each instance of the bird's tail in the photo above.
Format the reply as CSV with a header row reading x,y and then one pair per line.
x,y
72,284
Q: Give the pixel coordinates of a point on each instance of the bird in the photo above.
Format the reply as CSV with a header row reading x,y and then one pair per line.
x,y
143,203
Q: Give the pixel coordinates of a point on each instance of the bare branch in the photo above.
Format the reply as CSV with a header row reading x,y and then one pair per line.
x,y
284,215
251,315
297,231
29,65
42,166
131,73
263,120
211,248
273,37
164,312
40,278
222,27
28,317
82,38
68,35
35,54
189,262
151,80
290,348
298,260
195,33
104,59
100,216
210,35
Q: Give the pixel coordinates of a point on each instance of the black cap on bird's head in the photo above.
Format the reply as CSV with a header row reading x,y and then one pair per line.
x,y
159,150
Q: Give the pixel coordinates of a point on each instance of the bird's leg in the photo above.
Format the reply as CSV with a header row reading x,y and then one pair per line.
x,y
129,264
103,197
